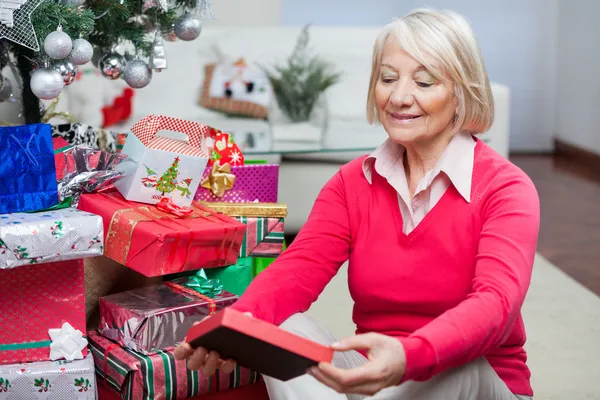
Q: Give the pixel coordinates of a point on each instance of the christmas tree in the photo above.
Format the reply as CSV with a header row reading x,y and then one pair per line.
x,y
168,181
43,42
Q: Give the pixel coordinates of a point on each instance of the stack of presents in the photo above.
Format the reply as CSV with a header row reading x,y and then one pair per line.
x,y
108,257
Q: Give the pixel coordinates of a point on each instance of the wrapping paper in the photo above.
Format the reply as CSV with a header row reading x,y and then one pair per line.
x,y
158,376
83,134
65,234
38,298
86,170
27,171
234,278
271,210
156,243
156,317
49,380
264,237
253,183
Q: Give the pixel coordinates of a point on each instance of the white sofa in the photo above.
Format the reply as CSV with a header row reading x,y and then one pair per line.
x,y
175,92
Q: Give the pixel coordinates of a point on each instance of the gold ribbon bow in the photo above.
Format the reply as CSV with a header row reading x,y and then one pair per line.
x,y
219,179
51,113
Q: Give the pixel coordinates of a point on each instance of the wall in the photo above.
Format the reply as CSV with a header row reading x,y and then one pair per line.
x,y
578,100
518,39
247,12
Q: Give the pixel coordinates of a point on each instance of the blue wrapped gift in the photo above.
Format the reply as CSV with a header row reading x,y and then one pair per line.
x,y
27,171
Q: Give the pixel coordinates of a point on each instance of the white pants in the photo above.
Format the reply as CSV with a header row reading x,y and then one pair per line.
x,y
474,381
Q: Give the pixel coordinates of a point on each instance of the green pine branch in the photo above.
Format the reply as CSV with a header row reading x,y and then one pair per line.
x,y
49,15
299,84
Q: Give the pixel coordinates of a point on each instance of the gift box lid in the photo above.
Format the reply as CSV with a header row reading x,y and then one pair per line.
x,y
258,345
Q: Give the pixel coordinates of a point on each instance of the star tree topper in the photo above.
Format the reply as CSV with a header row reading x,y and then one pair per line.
x,y
21,32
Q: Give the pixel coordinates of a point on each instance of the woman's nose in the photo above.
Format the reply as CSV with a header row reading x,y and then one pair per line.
x,y
402,95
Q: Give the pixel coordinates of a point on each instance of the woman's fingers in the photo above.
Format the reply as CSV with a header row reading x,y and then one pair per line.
x,y
183,351
211,364
197,360
227,366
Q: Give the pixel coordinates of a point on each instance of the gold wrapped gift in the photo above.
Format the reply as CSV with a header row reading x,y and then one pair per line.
x,y
266,210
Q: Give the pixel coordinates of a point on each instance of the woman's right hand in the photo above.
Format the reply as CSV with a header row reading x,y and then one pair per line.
x,y
202,359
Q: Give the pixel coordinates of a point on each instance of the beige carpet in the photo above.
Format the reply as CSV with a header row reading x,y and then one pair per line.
x,y
563,326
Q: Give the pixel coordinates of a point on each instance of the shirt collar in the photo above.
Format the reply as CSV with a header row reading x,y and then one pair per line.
x,y
456,162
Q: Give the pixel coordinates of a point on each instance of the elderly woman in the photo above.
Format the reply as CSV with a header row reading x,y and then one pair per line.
x,y
440,232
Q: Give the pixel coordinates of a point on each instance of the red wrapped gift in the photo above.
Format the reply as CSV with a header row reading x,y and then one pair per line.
x,y
156,241
36,298
159,376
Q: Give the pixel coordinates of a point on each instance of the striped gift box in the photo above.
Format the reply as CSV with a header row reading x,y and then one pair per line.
x,y
264,237
159,376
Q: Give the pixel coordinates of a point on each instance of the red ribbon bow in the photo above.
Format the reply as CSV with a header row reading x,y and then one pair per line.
x,y
167,205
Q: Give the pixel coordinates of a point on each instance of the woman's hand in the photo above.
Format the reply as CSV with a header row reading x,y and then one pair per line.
x,y
386,366
206,361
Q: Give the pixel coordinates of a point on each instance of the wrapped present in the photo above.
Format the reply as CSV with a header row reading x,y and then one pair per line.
x,y
158,376
83,134
160,240
264,237
27,173
265,226
86,170
160,167
239,184
225,151
49,380
234,278
38,298
158,317
65,234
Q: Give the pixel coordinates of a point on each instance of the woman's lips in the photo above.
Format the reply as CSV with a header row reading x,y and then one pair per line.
x,y
404,118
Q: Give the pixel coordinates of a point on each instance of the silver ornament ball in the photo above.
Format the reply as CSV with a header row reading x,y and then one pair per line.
x,y
58,44
137,74
46,83
112,65
188,27
6,93
82,52
67,71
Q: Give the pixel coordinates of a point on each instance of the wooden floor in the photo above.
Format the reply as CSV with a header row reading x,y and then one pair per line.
x,y
570,215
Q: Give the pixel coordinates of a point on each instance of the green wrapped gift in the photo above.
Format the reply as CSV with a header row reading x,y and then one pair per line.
x,y
260,264
234,278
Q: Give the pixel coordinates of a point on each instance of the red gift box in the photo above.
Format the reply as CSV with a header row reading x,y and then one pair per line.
x,y
36,298
257,344
155,242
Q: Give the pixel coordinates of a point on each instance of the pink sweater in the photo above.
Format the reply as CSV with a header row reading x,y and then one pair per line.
x,y
451,290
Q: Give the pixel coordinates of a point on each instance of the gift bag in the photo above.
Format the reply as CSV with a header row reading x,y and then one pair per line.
x,y
27,171
160,167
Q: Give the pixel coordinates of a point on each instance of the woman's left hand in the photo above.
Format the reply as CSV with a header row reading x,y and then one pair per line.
x,y
385,367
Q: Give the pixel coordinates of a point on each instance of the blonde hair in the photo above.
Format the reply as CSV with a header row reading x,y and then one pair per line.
x,y
446,38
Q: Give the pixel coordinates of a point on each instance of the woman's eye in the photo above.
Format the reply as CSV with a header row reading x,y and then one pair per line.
x,y
424,84
387,80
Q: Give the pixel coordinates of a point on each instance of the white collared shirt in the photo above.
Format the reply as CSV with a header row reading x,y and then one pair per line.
x,y
455,167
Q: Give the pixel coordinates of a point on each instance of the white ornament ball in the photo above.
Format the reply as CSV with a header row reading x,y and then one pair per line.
x,y
46,83
137,74
112,66
82,52
188,27
58,45
67,71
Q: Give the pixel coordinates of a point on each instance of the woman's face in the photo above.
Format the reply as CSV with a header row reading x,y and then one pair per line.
x,y
413,105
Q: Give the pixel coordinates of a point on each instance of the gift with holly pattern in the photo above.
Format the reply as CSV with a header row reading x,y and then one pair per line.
x,y
61,379
229,177
44,316
158,317
42,237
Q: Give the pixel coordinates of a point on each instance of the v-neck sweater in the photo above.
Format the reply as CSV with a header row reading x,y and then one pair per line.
x,y
451,290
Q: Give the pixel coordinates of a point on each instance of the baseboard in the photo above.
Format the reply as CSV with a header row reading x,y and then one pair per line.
x,y
577,154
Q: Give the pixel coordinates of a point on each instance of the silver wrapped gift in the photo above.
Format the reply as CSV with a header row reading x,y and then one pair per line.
x,y
49,236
